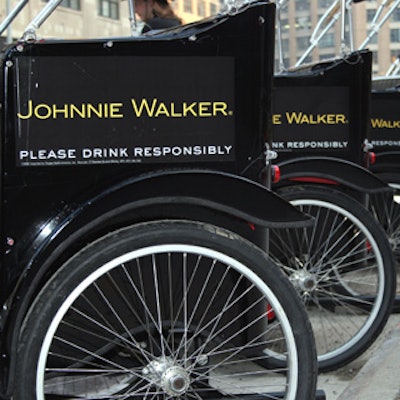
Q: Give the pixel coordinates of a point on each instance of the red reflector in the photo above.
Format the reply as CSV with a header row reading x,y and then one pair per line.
x,y
251,226
270,313
372,157
313,179
276,174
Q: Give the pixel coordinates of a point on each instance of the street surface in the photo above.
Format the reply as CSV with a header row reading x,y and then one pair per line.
x,y
375,375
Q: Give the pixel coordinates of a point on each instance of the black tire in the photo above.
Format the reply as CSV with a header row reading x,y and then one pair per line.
x,y
343,269
386,209
170,307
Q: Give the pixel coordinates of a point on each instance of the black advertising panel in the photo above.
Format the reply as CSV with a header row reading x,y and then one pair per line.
x,y
124,109
311,119
385,121
84,119
323,109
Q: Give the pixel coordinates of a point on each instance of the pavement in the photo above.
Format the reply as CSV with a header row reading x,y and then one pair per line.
x,y
375,375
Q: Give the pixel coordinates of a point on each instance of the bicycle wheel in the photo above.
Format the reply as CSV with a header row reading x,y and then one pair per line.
x,y
343,269
165,309
386,209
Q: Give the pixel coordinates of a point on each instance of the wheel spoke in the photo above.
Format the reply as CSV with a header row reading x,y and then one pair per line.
x,y
173,320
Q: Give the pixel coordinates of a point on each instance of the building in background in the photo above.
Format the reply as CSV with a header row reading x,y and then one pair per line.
x,y
76,19
298,18
386,45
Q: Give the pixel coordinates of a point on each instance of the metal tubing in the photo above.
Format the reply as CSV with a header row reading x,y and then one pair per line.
x,y
332,15
377,25
394,68
30,30
279,6
11,16
132,17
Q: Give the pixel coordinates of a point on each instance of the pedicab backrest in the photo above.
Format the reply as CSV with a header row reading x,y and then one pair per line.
x,y
385,121
385,125
193,95
81,116
323,109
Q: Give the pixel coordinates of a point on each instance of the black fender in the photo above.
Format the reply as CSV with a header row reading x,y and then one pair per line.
x,y
167,194
331,171
386,162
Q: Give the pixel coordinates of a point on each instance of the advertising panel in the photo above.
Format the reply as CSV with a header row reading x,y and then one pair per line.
x,y
124,109
312,119
385,122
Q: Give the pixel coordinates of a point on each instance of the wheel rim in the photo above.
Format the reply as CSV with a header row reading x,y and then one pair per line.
x,y
394,218
337,268
94,355
386,209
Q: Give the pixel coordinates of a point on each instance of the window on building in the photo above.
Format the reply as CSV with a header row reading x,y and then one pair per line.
x,y
109,9
286,61
324,4
285,45
284,22
201,8
213,8
327,56
74,4
303,22
396,15
307,60
394,54
374,38
302,5
188,6
395,35
302,43
370,15
328,40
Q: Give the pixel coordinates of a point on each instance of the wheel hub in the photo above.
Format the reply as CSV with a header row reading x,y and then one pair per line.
x,y
175,381
304,281
172,379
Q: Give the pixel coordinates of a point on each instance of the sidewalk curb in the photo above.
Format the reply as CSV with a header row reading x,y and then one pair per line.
x,y
379,378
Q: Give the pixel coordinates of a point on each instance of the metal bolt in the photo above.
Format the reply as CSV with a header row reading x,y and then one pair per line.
x,y
202,360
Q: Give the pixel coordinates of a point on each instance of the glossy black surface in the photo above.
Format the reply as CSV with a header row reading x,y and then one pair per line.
x,y
87,73
210,84
385,130
323,109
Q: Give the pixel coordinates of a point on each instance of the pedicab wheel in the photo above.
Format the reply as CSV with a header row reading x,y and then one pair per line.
x,y
387,211
394,218
343,269
166,309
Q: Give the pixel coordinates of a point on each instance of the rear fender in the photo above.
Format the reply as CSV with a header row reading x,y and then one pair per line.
x,y
169,194
331,171
386,162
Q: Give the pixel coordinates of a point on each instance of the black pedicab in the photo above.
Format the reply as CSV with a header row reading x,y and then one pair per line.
x,y
132,213
343,266
385,137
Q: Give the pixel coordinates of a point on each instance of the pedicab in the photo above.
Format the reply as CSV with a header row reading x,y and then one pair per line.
x,y
385,139
384,128
342,266
135,217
